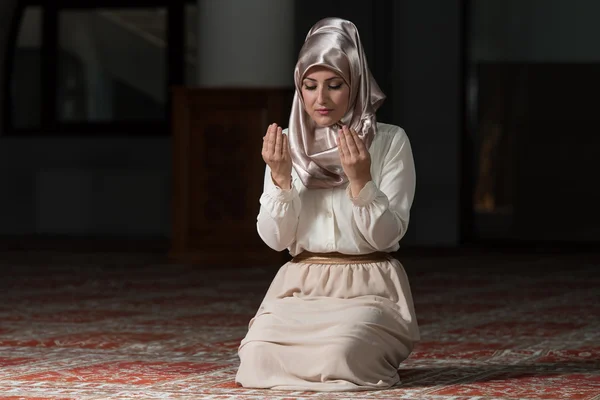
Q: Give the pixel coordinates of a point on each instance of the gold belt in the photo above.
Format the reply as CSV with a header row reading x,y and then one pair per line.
x,y
335,258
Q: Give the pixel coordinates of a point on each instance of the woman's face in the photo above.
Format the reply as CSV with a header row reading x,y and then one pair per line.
x,y
325,96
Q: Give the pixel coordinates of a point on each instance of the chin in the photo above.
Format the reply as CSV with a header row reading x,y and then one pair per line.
x,y
325,122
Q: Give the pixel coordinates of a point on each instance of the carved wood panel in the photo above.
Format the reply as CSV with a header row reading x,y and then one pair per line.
x,y
218,172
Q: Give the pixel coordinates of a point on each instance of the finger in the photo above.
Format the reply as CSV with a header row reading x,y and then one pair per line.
x,y
271,139
269,130
278,142
265,147
360,145
352,149
342,146
285,147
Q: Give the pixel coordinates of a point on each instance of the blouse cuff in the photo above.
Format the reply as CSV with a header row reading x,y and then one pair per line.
x,y
283,195
366,195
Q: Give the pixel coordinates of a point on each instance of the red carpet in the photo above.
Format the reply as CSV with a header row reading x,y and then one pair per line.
x,y
122,326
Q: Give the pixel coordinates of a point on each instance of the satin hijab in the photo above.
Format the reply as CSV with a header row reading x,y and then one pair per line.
x,y
333,43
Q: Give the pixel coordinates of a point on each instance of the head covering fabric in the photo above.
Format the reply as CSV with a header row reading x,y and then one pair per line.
x,y
333,43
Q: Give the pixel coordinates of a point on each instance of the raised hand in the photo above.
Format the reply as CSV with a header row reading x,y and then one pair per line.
x,y
276,154
355,159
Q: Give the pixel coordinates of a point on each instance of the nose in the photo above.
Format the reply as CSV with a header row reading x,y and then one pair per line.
x,y
322,96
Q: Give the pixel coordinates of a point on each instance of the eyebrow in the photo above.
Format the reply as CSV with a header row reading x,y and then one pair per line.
x,y
328,79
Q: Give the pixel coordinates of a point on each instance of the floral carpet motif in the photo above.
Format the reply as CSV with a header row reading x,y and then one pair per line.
x,y
100,326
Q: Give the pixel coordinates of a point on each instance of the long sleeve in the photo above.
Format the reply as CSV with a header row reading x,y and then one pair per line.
x,y
279,212
381,214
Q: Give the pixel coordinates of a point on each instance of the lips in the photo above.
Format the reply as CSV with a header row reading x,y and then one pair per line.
x,y
324,111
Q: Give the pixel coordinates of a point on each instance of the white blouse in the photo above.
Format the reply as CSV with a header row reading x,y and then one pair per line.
x,y
328,220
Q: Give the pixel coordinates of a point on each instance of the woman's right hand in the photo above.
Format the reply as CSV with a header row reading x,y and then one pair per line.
x,y
276,153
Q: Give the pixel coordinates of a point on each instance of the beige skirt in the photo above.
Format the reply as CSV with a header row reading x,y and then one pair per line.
x,y
330,327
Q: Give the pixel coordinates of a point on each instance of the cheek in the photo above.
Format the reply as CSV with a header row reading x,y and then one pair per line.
x,y
342,100
347,97
307,98
307,101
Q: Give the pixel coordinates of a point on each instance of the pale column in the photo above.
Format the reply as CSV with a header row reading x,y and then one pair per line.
x,y
244,43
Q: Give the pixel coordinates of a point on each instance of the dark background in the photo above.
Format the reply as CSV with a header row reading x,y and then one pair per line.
x,y
499,100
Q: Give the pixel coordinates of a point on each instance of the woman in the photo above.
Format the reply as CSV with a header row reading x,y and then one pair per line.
x,y
339,316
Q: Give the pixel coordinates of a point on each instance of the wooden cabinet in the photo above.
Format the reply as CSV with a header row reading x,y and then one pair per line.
x,y
218,173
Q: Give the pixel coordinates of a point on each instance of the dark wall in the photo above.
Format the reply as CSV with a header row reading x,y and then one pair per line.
x,y
414,51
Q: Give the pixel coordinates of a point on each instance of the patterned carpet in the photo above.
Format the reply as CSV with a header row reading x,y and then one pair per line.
x,y
99,326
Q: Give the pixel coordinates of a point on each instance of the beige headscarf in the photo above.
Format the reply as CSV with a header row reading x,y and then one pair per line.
x,y
333,43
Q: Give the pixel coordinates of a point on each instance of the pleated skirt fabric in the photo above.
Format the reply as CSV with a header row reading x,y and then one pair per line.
x,y
326,327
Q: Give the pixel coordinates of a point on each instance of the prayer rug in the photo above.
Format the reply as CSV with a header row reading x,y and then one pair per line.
x,y
100,326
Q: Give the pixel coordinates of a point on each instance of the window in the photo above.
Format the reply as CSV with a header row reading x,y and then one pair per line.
x,y
25,87
111,65
98,67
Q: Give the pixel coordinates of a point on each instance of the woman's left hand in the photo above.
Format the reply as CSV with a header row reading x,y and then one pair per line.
x,y
355,159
